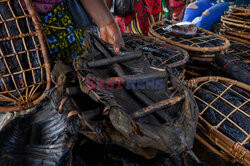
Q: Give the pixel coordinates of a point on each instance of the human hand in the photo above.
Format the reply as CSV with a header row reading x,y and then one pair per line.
x,y
111,34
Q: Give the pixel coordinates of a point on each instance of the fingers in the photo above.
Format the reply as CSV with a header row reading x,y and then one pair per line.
x,y
122,44
118,41
118,44
116,48
111,34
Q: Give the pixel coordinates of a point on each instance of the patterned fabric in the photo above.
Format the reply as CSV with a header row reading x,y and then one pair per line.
x,y
44,6
146,12
65,42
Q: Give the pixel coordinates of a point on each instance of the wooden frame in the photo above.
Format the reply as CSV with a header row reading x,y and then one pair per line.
x,y
156,41
225,45
235,150
29,95
242,11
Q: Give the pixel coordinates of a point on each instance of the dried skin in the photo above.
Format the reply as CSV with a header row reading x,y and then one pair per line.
x,y
170,129
42,137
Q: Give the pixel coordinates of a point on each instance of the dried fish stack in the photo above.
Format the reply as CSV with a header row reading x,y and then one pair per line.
x,y
202,46
140,111
235,62
24,67
42,137
236,23
159,53
224,106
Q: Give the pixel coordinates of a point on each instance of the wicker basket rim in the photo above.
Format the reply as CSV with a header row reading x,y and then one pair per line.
x,y
225,17
238,24
239,9
241,154
198,49
240,14
245,36
237,39
193,81
157,41
227,28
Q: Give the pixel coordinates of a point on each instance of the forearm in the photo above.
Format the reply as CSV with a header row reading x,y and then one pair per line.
x,y
99,12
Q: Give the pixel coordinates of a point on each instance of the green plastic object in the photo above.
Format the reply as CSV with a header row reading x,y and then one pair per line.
x,y
165,9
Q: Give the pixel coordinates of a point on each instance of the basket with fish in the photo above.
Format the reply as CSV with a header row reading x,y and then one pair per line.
x,y
159,53
236,23
224,116
24,66
144,110
202,45
235,62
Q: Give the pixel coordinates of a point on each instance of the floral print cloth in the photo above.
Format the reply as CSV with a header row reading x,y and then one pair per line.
x,y
64,40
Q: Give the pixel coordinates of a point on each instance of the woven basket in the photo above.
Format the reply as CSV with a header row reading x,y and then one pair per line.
x,y
235,31
237,39
195,43
159,53
221,102
236,21
24,64
240,11
240,50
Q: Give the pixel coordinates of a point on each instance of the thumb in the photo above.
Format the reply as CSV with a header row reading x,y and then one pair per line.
x,y
116,47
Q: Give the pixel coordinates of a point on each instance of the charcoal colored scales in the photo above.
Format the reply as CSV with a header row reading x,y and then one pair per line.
x,y
24,73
